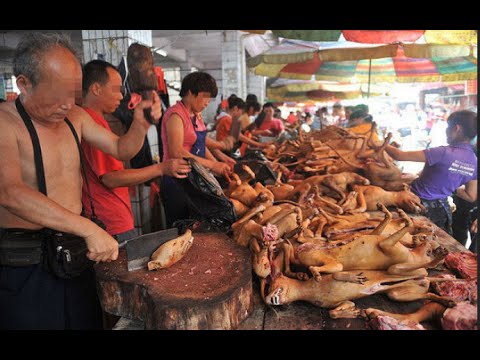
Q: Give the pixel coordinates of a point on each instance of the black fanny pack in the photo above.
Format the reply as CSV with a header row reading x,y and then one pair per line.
x,y
61,254
65,255
20,247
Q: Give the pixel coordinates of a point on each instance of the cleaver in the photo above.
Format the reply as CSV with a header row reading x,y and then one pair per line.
x,y
236,128
140,248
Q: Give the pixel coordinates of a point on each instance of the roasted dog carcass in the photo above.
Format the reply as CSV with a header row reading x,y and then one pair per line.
x,y
369,252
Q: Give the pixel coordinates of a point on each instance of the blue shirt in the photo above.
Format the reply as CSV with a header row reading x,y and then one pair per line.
x,y
447,168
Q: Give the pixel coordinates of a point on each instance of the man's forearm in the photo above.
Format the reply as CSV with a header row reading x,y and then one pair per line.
x,y
131,177
35,207
130,144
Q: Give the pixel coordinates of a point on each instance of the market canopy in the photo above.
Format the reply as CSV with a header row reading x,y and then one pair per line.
x,y
387,63
465,37
302,90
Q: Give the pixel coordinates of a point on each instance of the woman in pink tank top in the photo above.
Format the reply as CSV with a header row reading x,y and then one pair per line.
x,y
184,136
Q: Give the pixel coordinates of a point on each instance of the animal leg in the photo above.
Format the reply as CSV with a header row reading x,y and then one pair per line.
x,y
407,269
346,310
330,183
330,219
321,224
301,189
385,143
413,290
254,246
349,277
361,202
430,311
289,256
383,158
350,201
331,206
330,265
419,268
362,154
388,244
388,218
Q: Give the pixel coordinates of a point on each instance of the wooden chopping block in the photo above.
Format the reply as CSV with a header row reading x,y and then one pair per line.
x,y
209,288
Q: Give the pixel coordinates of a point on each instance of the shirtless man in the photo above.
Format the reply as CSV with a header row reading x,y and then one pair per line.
x,y
49,77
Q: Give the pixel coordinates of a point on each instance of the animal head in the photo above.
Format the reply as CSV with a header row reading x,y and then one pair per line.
x,y
278,291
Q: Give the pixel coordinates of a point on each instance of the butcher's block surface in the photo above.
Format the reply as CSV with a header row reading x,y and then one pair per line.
x,y
210,288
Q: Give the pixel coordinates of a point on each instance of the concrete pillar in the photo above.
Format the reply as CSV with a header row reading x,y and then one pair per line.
x,y
110,45
233,64
256,85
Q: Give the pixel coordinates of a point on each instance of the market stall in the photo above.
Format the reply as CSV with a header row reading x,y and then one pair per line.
x,y
334,240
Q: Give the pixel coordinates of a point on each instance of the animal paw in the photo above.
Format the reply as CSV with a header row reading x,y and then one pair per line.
x,y
440,252
372,313
302,276
360,278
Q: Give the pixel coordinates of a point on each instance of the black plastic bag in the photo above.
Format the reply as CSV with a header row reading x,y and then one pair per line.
x,y
206,201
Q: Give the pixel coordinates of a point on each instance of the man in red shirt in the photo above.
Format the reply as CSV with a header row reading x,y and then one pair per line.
x,y
107,177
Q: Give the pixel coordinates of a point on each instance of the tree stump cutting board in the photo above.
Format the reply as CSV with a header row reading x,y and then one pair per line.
x,y
210,288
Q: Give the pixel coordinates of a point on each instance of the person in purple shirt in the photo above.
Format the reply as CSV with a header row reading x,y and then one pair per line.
x,y
447,169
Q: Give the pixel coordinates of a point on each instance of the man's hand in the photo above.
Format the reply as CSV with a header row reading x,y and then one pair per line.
x,y
225,158
474,226
101,246
178,168
221,169
155,111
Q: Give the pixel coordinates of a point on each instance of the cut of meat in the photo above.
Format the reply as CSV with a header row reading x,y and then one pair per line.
x,y
457,290
464,263
461,317
390,323
270,233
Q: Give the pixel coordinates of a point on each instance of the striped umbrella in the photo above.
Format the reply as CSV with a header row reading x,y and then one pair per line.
x,y
302,90
468,37
406,63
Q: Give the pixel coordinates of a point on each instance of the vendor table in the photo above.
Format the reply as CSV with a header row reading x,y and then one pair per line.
x,y
297,316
